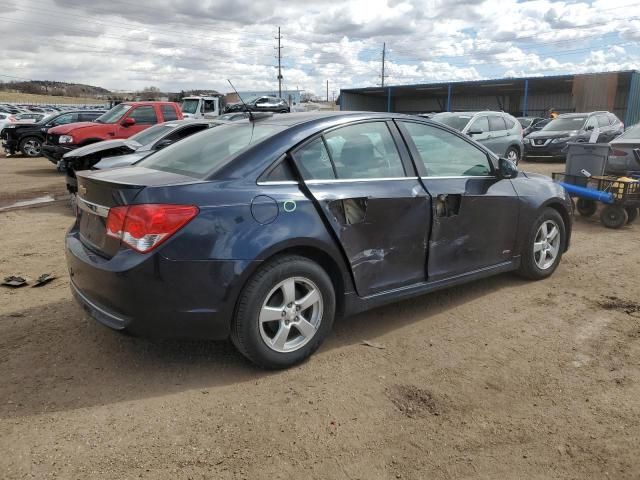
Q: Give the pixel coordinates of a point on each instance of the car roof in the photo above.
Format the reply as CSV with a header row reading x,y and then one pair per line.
x,y
298,118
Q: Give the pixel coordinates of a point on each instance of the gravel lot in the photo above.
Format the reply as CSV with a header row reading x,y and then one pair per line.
x,y
496,379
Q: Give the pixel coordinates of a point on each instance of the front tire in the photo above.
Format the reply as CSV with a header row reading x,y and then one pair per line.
x,y
544,246
284,313
614,216
31,147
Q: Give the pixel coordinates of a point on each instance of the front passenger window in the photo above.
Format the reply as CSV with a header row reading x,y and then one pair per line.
x,y
444,154
364,150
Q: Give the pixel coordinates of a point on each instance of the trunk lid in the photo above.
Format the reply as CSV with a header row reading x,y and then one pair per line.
x,y
98,191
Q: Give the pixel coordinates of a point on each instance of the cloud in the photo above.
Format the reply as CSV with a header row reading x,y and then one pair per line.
x,y
183,44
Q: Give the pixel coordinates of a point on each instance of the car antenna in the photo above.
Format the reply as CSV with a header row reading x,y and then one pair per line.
x,y
245,105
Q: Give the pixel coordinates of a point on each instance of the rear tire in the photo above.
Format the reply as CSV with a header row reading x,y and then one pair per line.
x,y
513,154
585,207
542,251
614,216
274,326
632,213
31,147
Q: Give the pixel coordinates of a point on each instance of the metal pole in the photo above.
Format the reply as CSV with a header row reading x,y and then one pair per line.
x,y
449,98
327,91
526,98
279,65
384,48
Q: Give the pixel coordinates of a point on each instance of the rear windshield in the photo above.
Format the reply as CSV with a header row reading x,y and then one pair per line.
x,y
201,154
632,133
453,120
567,123
152,134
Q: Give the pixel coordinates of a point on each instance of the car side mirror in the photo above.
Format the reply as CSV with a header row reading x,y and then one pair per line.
x,y
128,122
507,169
163,143
474,132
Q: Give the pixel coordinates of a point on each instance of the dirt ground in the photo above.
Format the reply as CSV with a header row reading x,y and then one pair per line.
x,y
501,378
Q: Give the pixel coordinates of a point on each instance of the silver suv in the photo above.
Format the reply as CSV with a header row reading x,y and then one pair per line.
x,y
498,131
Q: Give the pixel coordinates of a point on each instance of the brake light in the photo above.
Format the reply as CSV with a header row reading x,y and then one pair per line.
x,y
144,227
619,153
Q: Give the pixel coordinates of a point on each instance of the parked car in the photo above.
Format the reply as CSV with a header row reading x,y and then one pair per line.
x,y
4,121
123,152
232,117
259,104
498,131
27,117
625,152
532,124
28,138
122,121
550,143
266,230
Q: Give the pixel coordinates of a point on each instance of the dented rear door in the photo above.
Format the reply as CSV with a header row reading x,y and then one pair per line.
x,y
475,213
379,213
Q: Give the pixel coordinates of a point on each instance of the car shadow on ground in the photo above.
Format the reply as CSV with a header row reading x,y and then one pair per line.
x,y
55,358
40,172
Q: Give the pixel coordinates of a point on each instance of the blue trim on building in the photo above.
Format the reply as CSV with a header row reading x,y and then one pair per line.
x,y
632,115
449,97
388,99
526,98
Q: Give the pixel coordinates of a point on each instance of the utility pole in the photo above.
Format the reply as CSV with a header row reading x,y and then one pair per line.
x,y
279,48
327,91
384,52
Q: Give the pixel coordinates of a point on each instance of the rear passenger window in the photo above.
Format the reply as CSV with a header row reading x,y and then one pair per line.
x,y
169,113
603,121
445,154
365,150
280,173
144,115
509,123
313,161
496,123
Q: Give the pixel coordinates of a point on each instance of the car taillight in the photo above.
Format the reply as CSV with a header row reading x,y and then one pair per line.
x,y
144,227
618,153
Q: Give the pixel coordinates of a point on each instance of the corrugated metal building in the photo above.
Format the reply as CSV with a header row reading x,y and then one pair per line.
x,y
617,92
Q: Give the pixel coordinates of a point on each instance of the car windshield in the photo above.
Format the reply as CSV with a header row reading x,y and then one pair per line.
x,y
525,122
567,123
453,120
113,115
249,100
632,133
190,105
201,154
152,134
48,118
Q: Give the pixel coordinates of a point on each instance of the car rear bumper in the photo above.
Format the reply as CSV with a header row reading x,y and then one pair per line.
x,y
153,296
54,153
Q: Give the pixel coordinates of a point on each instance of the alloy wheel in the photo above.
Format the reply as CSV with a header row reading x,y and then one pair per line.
x,y
32,148
546,245
291,314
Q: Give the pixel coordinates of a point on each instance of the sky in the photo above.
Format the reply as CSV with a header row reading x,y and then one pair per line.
x,y
199,44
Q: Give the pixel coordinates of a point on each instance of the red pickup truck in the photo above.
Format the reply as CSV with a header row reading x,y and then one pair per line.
x,y
121,121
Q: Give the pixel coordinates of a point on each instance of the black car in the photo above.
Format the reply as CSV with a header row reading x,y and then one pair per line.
x,y
264,231
29,137
127,151
550,143
259,104
532,124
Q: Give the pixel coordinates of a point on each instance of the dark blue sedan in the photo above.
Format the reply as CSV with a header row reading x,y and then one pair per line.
x,y
265,230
